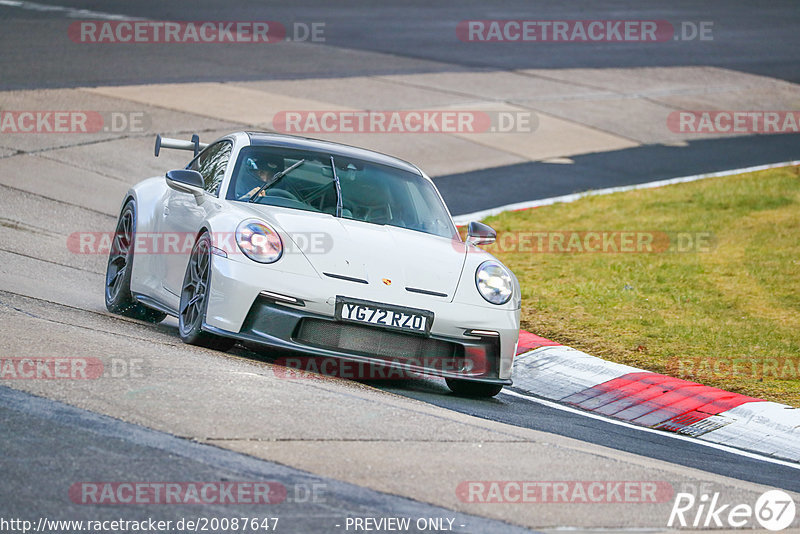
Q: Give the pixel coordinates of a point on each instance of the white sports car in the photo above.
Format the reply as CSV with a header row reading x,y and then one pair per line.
x,y
335,251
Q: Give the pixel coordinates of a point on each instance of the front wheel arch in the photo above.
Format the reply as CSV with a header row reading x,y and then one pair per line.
x,y
194,298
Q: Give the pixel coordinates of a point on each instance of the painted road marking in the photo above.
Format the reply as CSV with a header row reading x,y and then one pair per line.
x,y
717,446
68,11
656,401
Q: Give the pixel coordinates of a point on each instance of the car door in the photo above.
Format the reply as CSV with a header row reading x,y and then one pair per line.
x,y
184,215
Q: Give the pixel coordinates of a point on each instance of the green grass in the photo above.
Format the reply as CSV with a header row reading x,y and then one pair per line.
x,y
727,315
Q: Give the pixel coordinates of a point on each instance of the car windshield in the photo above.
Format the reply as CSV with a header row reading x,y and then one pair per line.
x,y
370,192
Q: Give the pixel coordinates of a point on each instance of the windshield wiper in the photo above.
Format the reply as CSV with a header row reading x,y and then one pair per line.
x,y
275,179
338,189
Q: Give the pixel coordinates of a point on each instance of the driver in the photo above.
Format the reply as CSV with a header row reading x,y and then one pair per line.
x,y
259,170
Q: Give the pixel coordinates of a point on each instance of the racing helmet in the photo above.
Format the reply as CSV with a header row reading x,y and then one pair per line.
x,y
259,163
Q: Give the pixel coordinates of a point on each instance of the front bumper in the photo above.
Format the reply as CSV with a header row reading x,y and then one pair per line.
x,y
271,324
237,309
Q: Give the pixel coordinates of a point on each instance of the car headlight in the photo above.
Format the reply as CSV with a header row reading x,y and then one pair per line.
x,y
494,282
259,241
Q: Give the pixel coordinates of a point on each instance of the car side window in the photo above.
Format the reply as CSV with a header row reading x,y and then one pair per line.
x,y
211,165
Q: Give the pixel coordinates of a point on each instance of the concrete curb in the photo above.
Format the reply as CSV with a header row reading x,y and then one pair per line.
x,y
547,369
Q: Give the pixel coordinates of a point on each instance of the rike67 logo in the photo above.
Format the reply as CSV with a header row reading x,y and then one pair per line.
x,y
774,510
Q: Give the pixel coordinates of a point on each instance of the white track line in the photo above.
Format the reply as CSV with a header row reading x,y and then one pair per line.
x,y
70,12
725,448
478,215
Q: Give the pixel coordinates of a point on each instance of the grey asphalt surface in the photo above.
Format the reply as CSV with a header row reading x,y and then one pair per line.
x,y
414,36
47,445
477,190
522,412
43,440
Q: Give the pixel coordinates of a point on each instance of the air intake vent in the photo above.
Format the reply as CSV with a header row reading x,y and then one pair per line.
x,y
348,278
374,342
425,292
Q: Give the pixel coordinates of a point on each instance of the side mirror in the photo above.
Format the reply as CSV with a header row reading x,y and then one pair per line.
x,y
480,234
186,181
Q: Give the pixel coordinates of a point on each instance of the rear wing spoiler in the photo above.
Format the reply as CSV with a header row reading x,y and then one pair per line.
x,y
165,142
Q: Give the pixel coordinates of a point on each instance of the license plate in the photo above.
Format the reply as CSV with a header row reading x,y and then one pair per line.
x,y
384,315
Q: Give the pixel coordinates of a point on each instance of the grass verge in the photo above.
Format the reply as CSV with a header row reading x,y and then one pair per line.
x,y
698,280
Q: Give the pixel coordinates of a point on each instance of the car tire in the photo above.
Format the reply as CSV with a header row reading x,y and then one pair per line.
x,y
470,388
118,295
194,299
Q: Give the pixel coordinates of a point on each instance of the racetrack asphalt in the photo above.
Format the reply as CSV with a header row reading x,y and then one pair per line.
x,y
487,188
362,38
382,449
66,446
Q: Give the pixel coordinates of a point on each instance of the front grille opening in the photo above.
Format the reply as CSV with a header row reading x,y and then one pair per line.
x,y
373,342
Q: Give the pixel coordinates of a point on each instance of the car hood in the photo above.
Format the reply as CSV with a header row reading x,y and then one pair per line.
x,y
372,252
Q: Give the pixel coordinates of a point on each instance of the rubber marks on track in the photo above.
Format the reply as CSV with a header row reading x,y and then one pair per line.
x,y
658,401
